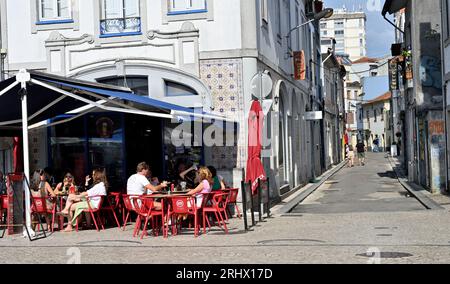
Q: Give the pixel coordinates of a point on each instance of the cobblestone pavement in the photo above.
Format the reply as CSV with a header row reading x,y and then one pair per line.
x,y
408,235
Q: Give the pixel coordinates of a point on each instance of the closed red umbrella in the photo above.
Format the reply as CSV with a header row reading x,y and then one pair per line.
x,y
17,156
255,169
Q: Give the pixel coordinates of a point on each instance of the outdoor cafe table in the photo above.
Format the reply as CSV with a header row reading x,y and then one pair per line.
x,y
60,201
165,199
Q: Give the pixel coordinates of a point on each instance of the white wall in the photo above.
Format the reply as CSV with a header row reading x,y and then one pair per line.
x,y
222,33
377,127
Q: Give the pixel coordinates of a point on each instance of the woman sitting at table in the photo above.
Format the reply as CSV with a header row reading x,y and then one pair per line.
x,y
41,188
68,182
205,178
217,183
77,203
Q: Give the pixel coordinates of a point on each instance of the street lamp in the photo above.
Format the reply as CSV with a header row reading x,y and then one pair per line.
x,y
325,14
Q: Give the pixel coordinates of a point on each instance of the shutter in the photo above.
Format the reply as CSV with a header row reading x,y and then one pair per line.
x,y
47,9
64,9
131,8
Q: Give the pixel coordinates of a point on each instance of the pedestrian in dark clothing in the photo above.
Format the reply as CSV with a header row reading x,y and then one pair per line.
x,y
361,149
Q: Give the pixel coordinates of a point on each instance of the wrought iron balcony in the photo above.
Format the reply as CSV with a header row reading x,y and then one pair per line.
x,y
120,26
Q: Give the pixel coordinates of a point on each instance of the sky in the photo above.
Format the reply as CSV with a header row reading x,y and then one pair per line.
x,y
380,34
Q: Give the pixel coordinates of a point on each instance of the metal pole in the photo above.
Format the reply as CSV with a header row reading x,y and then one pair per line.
x,y
244,205
26,162
259,201
252,211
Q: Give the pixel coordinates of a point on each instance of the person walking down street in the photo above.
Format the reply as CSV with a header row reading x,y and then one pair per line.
x,y
376,144
350,156
361,149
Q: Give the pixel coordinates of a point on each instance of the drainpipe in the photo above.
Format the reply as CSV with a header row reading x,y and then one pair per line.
x,y
444,93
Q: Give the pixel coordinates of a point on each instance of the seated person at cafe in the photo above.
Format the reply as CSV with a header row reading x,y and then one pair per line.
x,y
77,203
138,183
218,183
204,187
63,187
41,188
2,184
187,175
153,180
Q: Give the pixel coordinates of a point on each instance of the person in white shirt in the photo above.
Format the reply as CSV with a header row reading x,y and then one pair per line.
x,y
77,203
138,184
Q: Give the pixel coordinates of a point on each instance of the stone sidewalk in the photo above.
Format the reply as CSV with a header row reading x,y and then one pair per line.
x,y
341,236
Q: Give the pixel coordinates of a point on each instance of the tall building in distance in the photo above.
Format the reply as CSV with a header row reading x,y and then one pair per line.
x,y
349,30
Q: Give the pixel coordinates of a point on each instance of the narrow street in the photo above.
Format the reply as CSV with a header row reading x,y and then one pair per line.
x,y
358,212
370,188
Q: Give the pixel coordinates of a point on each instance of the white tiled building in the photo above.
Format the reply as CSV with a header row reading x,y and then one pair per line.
x,y
198,54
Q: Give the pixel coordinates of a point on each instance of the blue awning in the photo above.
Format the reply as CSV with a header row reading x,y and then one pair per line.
x,y
46,103
127,96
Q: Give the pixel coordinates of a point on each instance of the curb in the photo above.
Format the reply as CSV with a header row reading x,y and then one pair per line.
x,y
284,211
415,190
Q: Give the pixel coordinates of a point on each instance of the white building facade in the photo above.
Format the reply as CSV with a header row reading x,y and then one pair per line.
x,y
199,54
377,122
349,30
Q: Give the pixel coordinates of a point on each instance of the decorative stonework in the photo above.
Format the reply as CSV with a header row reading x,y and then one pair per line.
x,y
187,30
57,39
224,79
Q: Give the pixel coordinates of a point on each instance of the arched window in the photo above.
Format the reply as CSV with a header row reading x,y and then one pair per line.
x,y
175,90
138,84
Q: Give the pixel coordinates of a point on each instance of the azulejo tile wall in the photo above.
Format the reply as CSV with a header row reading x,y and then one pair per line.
x,y
224,79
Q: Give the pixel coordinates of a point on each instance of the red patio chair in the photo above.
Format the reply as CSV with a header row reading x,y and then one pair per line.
x,y
185,205
39,208
144,208
232,199
3,208
128,207
112,204
218,207
93,211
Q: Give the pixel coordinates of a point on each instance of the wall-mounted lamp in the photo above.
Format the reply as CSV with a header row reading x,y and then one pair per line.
x,y
325,14
276,98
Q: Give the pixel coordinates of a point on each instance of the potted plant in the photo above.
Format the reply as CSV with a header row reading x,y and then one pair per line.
x,y
406,53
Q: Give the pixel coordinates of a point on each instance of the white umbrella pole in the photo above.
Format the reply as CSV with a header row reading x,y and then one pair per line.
x,y
26,164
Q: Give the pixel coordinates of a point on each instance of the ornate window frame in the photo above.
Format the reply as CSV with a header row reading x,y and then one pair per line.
x,y
206,14
38,25
124,37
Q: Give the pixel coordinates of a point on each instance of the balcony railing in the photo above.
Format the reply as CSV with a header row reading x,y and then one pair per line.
x,y
120,26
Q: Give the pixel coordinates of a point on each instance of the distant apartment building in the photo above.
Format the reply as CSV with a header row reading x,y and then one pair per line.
x,y
349,31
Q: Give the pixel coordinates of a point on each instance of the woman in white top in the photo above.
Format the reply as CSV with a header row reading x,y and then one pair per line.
x,y
77,203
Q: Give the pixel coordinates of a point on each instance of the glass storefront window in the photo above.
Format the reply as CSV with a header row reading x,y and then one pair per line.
x,y
86,143
68,148
176,155
105,132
